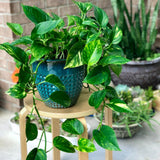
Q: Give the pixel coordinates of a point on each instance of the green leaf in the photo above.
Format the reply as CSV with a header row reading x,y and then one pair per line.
x,y
44,27
22,40
51,78
117,60
24,74
116,69
96,98
117,35
93,37
37,154
84,7
92,52
16,28
101,16
90,22
73,126
119,106
115,50
31,131
16,52
63,144
35,14
72,20
106,138
86,145
74,58
57,97
97,75
111,92
17,91
38,50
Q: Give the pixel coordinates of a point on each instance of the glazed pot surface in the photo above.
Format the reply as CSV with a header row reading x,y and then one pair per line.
x,y
71,78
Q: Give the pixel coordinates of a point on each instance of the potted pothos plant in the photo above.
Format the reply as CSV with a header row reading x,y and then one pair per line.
x,y
85,40
139,35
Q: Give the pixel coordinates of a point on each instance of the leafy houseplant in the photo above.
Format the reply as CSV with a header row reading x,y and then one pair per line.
x,y
139,34
89,41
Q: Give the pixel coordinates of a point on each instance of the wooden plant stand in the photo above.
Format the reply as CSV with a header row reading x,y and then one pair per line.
x,y
79,111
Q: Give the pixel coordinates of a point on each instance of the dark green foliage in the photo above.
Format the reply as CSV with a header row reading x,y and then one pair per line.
x,y
139,29
89,41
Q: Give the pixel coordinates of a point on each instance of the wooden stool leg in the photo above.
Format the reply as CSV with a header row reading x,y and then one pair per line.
x,y
22,124
55,132
108,121
83,155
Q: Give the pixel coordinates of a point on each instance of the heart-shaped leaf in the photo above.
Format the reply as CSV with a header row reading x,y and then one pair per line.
x,y
117,35
17,91
97,75
39,50
106,138
118,60
86,145
116,69
73,126
16,28
35,14
63,144
97,97
44,27
16,52
74,58
57,97
101,16
31,131
51,78
92,52
111,93
119,106
37,154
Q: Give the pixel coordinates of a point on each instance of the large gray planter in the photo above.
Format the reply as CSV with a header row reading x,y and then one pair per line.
x,y
142,73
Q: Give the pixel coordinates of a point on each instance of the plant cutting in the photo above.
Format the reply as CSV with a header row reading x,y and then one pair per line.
x,y
88,41
139,34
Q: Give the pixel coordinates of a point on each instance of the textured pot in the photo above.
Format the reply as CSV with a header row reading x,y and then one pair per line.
x,y
121,131
71,78
139,73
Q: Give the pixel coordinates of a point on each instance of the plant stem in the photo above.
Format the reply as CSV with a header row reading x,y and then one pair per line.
x,y
34,105
102,115
50,149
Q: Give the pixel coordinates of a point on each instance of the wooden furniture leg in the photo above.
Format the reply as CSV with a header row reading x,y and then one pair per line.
x,y
108,121
83,155
55,132
22,124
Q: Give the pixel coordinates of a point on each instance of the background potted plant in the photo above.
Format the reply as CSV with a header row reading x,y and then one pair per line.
x,y
139,34
127,124
88,41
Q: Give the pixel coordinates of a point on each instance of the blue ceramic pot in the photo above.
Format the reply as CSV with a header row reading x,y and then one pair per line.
x,y
71,77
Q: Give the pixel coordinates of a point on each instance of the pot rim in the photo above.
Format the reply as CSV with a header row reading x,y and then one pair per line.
x,y
121,125
156,60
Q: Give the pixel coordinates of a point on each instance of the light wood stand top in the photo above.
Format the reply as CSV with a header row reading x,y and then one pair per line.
x,y
80,109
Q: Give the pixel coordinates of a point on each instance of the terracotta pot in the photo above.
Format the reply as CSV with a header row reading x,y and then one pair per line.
x,y
139,73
